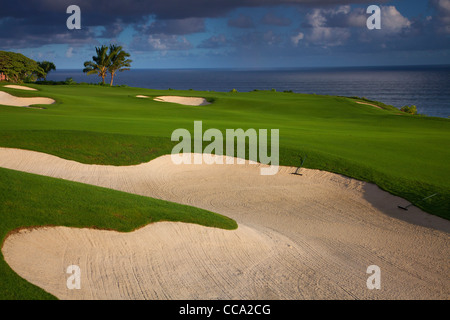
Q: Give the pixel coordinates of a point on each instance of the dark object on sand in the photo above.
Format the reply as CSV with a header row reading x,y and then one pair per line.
x,y
298,169
406,208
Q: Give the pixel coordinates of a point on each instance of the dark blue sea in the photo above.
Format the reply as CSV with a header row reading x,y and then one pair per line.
x,y
427,87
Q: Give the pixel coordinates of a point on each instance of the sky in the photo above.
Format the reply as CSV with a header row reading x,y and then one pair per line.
x,y
231,33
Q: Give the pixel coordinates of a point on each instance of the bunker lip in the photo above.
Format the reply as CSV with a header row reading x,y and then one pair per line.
x,y
188,101
311,236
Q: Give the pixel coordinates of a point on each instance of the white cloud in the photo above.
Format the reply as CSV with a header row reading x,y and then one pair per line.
x,y
69,52
392,21
443,15
160,42
325,27
328,37
296,39
329,27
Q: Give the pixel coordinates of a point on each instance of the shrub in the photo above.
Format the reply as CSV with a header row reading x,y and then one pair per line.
x,y
409,109
69,81
234,91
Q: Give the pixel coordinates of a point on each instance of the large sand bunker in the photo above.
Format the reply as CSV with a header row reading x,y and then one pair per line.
x,y
10,100
299,237
189,101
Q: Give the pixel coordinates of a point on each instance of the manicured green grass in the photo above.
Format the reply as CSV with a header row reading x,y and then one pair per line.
x,y
403,154
28,200
406,155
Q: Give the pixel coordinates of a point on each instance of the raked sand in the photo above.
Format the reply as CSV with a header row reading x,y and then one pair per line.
x,y
299,237
10,100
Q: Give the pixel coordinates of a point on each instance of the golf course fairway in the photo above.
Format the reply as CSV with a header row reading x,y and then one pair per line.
x,y
404,155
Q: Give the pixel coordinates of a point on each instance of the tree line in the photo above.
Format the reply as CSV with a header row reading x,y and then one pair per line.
x,y
19,68
108,60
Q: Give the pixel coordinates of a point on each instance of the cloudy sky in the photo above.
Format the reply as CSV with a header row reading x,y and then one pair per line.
x,y
231,33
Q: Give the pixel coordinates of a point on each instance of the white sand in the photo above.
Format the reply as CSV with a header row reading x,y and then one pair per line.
x,y
299,237
141,96
10,100
189,101
13,86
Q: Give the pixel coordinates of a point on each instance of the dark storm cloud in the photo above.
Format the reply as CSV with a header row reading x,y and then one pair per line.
x,y
31,23
20,33
242,21
167,9
274,20
174,26
442,20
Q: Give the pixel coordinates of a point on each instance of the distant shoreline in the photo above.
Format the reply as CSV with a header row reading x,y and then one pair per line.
x,y
381,67
427,87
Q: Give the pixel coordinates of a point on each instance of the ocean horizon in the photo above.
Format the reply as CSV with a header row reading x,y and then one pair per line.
x,y
427,87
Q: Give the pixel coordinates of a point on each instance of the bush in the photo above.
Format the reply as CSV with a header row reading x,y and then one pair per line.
x,y
234,91
69,81
409,109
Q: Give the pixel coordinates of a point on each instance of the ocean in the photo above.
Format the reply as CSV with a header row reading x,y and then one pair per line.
x,y
427,87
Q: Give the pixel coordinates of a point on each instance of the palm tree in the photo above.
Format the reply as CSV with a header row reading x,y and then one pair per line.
x,y
47,66
119,61
100,64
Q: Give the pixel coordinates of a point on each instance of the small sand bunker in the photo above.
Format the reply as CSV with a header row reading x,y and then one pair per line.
x,y
369,104
141,96
12,86
188,101
10,100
